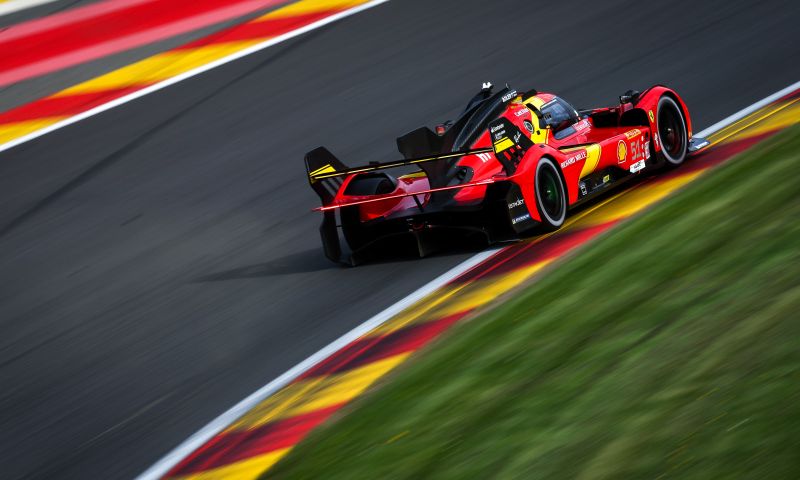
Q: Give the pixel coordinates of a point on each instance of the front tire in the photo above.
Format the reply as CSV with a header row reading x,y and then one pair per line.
x,y
551,196
672,132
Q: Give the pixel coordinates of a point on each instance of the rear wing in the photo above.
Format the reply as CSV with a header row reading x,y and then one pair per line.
x,y
319,162
326,172
334,206
325,175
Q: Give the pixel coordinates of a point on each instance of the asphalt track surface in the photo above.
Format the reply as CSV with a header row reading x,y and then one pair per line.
x,y
158,262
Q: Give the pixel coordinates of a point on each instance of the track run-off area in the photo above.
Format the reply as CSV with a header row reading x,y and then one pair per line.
x,y
158,254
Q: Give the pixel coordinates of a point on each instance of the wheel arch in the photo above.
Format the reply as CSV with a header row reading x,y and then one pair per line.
x,y
648,101
526,178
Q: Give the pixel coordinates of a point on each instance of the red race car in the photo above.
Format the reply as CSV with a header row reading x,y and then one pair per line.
x,y
513,164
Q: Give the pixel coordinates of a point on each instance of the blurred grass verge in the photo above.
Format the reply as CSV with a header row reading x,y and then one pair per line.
x,y
669,348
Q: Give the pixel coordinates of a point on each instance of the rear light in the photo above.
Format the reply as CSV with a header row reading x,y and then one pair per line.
x,y
441,129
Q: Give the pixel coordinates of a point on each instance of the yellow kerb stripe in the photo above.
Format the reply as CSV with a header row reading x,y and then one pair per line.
x,y
304,7
484,291
172,63
10,131
776,120
251,468
157,68
317,393
734,132
633,201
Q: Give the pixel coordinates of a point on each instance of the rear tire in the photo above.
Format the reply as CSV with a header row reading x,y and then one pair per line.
x,y
672,133
551,196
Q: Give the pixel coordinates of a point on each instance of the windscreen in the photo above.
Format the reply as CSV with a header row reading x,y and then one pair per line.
x,y
558,114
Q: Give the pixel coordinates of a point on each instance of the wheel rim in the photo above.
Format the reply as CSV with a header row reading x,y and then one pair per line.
x,y
670,129
551,196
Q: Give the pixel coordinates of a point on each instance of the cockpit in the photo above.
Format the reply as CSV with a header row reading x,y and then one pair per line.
x,y
554,113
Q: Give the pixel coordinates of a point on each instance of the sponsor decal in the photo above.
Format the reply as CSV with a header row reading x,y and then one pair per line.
x,y
485,157
521,112
640,150
508,96
656,141
517,136
583,188
606,178
575,158
635,167
496,128
521,218
636,150
632,133
652,117
528,126
519,202
582,125
622,151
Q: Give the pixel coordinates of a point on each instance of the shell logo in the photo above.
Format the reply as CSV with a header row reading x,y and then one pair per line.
x,y
622,151
652,117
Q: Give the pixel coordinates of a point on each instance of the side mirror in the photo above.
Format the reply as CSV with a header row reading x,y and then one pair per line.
x,y
631,96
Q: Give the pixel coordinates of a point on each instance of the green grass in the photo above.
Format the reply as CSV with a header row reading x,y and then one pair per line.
x,y
668,349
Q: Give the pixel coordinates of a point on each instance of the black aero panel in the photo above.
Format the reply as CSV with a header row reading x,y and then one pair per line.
x,y
423,142
472,124
509,143
320,159
419,143
519,215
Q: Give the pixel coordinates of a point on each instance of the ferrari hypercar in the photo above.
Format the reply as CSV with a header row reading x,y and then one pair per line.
x,y
513,164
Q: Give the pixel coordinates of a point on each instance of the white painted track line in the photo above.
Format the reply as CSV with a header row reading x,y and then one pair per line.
x,y
747,111
223,421
191,73
11,6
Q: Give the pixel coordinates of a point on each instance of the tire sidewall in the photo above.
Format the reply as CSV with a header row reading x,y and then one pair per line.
x,y
546,220
668,102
